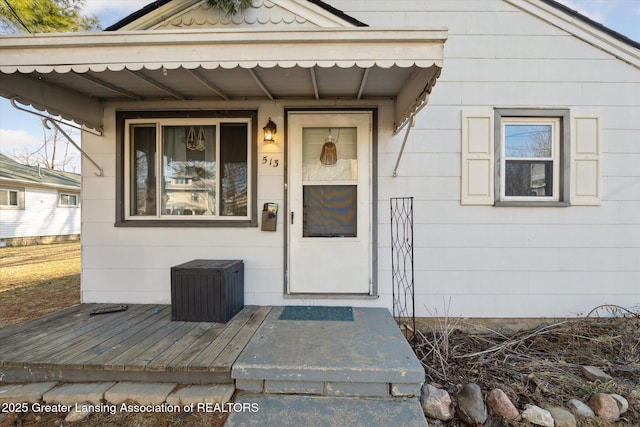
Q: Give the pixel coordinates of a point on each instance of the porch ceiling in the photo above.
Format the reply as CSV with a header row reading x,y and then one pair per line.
x,y
74,74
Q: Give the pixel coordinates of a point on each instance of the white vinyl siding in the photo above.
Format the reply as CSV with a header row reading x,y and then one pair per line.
x,y
471,260
39,214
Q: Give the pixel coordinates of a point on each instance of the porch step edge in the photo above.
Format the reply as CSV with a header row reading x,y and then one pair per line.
x,y
330,388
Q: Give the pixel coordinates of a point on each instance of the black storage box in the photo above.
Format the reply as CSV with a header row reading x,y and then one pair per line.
x,y
205,290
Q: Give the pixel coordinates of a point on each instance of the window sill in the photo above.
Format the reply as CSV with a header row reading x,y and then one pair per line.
x,y
182,224
532,204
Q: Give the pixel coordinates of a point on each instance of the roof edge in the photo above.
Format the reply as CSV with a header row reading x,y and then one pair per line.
x,y
159,3
340,14
598,26
137,15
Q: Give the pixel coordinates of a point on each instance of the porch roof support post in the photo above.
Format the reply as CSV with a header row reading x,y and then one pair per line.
x,y
363,82
314,82
157,85
109,86
259,82
207,83
404,142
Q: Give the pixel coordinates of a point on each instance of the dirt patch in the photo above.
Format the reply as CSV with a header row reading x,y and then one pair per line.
x,y
36,280
542,365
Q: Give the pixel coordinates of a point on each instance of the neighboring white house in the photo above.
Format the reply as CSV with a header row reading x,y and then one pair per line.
x,y
37,204
522,128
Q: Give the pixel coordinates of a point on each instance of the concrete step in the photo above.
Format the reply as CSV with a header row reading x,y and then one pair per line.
x,y
320,411
366,357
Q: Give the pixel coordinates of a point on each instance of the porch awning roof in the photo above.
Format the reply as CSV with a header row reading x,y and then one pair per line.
x,y
73,74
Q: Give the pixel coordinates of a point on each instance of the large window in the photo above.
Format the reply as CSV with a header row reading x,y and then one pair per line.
x,y
187,169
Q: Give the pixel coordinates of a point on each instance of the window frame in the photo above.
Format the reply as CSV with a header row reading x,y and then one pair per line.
x,y
124,120
560,120
19,197
67,205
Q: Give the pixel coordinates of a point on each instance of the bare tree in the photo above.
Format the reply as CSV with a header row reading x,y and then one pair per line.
x,y
54,152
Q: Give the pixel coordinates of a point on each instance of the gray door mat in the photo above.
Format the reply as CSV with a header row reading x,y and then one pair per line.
x,y
296,312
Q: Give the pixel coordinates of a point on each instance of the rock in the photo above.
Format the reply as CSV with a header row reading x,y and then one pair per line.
x,y
604,406
634,398
595,374
436,403
581,409
75,416
501,405
561,417
471,408
538,416
623,404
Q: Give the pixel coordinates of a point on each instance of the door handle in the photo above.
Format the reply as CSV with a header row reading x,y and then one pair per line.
x,y
291,218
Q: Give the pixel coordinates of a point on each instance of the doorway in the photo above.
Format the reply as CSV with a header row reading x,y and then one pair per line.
x,y
330,199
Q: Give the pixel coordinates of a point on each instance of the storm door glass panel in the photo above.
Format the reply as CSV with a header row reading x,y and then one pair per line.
x,y
329,175
189,170
143,173
529,160
233,169
330,211
329,154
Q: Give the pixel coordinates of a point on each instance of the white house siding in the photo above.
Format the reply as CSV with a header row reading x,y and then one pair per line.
x,y
132,264
477,261
41,216
485,261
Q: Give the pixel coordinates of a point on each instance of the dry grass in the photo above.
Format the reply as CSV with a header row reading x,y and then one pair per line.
x,y
36,280
543,365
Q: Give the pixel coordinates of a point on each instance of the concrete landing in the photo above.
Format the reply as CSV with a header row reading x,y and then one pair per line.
x,y
320,411
368,356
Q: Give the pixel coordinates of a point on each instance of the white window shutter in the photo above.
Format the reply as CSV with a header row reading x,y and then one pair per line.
x,y
477,158
585,160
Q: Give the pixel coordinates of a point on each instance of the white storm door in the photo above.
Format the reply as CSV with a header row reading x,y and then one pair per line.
x,y
329,216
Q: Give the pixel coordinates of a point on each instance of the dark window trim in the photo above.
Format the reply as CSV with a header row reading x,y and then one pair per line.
x,y
565,153
121,116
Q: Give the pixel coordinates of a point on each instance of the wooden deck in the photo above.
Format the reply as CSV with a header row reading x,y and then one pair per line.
x,y
135,345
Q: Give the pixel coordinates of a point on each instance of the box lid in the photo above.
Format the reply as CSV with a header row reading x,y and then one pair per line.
x,y
208,264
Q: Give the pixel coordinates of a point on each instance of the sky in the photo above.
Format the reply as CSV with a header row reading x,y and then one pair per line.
x,y
19,129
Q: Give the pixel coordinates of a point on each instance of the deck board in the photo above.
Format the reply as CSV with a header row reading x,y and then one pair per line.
x,y
193,358
232,349
80,342
53,335
137,343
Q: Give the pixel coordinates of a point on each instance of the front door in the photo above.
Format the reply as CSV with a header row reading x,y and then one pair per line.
x,y
329,224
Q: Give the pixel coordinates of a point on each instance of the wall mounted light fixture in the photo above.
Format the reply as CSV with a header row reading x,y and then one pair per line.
x,y
270,131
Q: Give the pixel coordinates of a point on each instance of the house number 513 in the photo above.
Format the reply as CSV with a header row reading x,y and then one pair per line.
x,y
270,161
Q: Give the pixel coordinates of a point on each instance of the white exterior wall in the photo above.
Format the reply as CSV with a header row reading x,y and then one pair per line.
x,y
485,261
479,261
132,264
41,216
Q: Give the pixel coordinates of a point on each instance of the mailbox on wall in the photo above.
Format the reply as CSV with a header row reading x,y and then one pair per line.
x,y
269,216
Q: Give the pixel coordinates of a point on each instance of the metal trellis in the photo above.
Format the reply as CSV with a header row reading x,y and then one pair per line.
x,y
402,265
